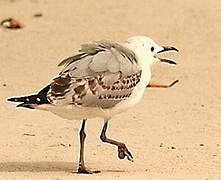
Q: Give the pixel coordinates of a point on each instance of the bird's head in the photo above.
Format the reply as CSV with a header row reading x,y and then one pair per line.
x,y
146,47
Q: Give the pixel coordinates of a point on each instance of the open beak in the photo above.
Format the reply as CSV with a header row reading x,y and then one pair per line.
x,y
167,48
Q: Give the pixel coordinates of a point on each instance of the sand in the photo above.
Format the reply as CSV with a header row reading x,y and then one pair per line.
x,y
173,133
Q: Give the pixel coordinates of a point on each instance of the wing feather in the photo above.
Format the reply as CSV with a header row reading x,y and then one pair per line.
x,y
102,75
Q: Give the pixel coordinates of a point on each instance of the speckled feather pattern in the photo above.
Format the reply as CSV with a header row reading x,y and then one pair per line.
x,y
91,91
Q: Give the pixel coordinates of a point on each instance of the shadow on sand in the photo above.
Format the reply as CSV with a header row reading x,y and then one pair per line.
x,y
43,166
37,166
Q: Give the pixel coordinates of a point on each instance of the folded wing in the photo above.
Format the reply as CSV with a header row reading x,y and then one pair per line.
x,y
102,75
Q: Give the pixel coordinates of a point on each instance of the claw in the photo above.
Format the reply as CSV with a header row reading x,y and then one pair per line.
x,y
84,170
123,151
129,156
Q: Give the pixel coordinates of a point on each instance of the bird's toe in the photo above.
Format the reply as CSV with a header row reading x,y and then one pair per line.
x,y
84,170
124,152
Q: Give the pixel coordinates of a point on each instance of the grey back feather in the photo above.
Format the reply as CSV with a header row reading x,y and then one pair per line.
x,y
98,46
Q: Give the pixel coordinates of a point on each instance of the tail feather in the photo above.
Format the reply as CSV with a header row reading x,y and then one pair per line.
x,y
28,101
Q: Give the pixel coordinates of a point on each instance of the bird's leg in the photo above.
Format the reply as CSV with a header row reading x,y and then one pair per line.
x,y
122,149
82,168
162,85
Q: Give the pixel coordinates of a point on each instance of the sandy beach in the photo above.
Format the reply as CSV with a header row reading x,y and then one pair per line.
x,y
173,133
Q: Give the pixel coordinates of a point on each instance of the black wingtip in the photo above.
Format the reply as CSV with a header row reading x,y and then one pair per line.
x,y
40,98
13,99
19,99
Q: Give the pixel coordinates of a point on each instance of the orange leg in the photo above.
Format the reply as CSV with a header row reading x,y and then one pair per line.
x,y
162,85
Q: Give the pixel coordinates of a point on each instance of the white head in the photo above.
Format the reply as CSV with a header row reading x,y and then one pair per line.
x,y
146,47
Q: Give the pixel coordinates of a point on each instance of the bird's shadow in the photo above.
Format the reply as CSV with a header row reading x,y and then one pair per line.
x,y
43,166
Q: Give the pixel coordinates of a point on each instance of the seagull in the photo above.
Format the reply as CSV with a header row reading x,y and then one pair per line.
x,y
104,79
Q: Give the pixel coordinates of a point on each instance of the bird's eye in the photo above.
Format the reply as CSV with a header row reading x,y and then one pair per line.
x,y
152,49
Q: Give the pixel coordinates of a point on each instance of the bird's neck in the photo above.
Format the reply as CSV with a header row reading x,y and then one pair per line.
x,y
144,61
145,77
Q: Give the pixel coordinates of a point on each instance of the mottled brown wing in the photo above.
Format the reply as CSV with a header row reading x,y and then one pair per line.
x,y
102,79
98,91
